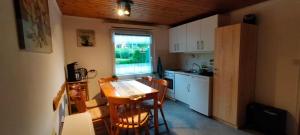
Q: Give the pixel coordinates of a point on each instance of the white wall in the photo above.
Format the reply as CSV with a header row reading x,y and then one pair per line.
x,y
187,60
101,56
278,48
29,81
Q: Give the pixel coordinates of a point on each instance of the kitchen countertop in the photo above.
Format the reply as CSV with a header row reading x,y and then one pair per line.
x,y
189,73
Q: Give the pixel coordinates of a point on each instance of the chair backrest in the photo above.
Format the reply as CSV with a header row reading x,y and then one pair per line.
x,y
162,86
126,112
107,79
146,80
104,80
79,99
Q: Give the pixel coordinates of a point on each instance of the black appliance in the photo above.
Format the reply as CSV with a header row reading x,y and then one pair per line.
x,y
250,19
71,70
266,119
169,76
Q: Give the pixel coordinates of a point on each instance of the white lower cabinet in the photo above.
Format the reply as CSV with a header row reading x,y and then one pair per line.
x,y
195,91
199,99
181,87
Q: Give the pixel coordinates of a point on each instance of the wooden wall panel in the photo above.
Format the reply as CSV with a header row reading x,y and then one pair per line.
x,y
165,12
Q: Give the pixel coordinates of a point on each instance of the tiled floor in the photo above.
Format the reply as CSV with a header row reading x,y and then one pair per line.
x,y
183,121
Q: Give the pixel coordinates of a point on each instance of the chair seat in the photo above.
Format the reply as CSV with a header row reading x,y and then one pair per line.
x,y
127,122
99,112
96,102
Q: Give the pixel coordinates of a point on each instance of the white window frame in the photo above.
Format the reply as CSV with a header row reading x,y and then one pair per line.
x,y
132,32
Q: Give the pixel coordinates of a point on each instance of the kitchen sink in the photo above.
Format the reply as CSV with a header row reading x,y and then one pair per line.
x,y
197,73
190,71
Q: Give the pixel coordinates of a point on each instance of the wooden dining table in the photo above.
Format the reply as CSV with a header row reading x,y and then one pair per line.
x,y
130,89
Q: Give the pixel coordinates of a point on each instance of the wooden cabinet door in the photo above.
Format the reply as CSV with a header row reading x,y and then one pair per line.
x,y
208,26
226,73
181,38
181,87
193,36
199,94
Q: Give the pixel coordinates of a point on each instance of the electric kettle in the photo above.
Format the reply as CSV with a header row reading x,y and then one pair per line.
x,y
82,73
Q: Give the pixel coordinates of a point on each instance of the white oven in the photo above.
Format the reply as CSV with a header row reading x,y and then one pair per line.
x,y
170,77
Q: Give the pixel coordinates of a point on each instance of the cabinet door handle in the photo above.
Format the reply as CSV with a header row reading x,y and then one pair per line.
x,y
215,70
202,44
187,88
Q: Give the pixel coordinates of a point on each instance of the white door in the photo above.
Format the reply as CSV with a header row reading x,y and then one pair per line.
x,y
181,87
181,38
199,94
208,26
193,36
172,39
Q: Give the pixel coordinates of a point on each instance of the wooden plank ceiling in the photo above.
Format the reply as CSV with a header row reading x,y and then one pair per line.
x,y
163,12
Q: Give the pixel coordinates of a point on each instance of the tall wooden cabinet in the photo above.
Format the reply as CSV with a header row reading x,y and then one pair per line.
x,y
234,78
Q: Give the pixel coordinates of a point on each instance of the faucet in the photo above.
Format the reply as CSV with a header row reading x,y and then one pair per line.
x,y
199,67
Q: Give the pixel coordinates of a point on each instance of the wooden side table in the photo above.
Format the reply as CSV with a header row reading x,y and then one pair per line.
x,y
78,85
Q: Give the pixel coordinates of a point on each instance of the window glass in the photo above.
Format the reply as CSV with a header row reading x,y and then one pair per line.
x,y
132,54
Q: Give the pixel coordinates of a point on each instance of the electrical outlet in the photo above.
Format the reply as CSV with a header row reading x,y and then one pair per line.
x,y
92,70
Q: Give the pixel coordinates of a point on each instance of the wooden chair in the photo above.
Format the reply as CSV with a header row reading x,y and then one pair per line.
x,y
162,86
128,114
99,114
107,79
146,80
96,102
104,80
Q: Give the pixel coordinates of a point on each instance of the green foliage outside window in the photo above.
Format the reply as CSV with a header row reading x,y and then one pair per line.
x,y
131,54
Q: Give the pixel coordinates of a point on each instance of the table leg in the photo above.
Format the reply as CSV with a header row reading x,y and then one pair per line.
x,y
156,114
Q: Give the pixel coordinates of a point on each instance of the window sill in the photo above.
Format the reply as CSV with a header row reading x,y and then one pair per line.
x,y
134,76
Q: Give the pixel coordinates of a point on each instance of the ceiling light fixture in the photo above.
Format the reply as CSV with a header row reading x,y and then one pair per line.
x,y
124,7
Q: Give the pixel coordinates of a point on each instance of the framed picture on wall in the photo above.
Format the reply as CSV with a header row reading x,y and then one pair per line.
x,y
85,38
33,25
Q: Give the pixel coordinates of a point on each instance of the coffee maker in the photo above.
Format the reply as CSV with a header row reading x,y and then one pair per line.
x,y
75,73
71,70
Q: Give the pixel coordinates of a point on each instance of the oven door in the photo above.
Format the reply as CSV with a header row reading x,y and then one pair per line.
x,y
170,83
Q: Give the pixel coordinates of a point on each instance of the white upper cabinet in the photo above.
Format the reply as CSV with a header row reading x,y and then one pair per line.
x,y
208,26
193,36
197,36
177,39
172,38
181,38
